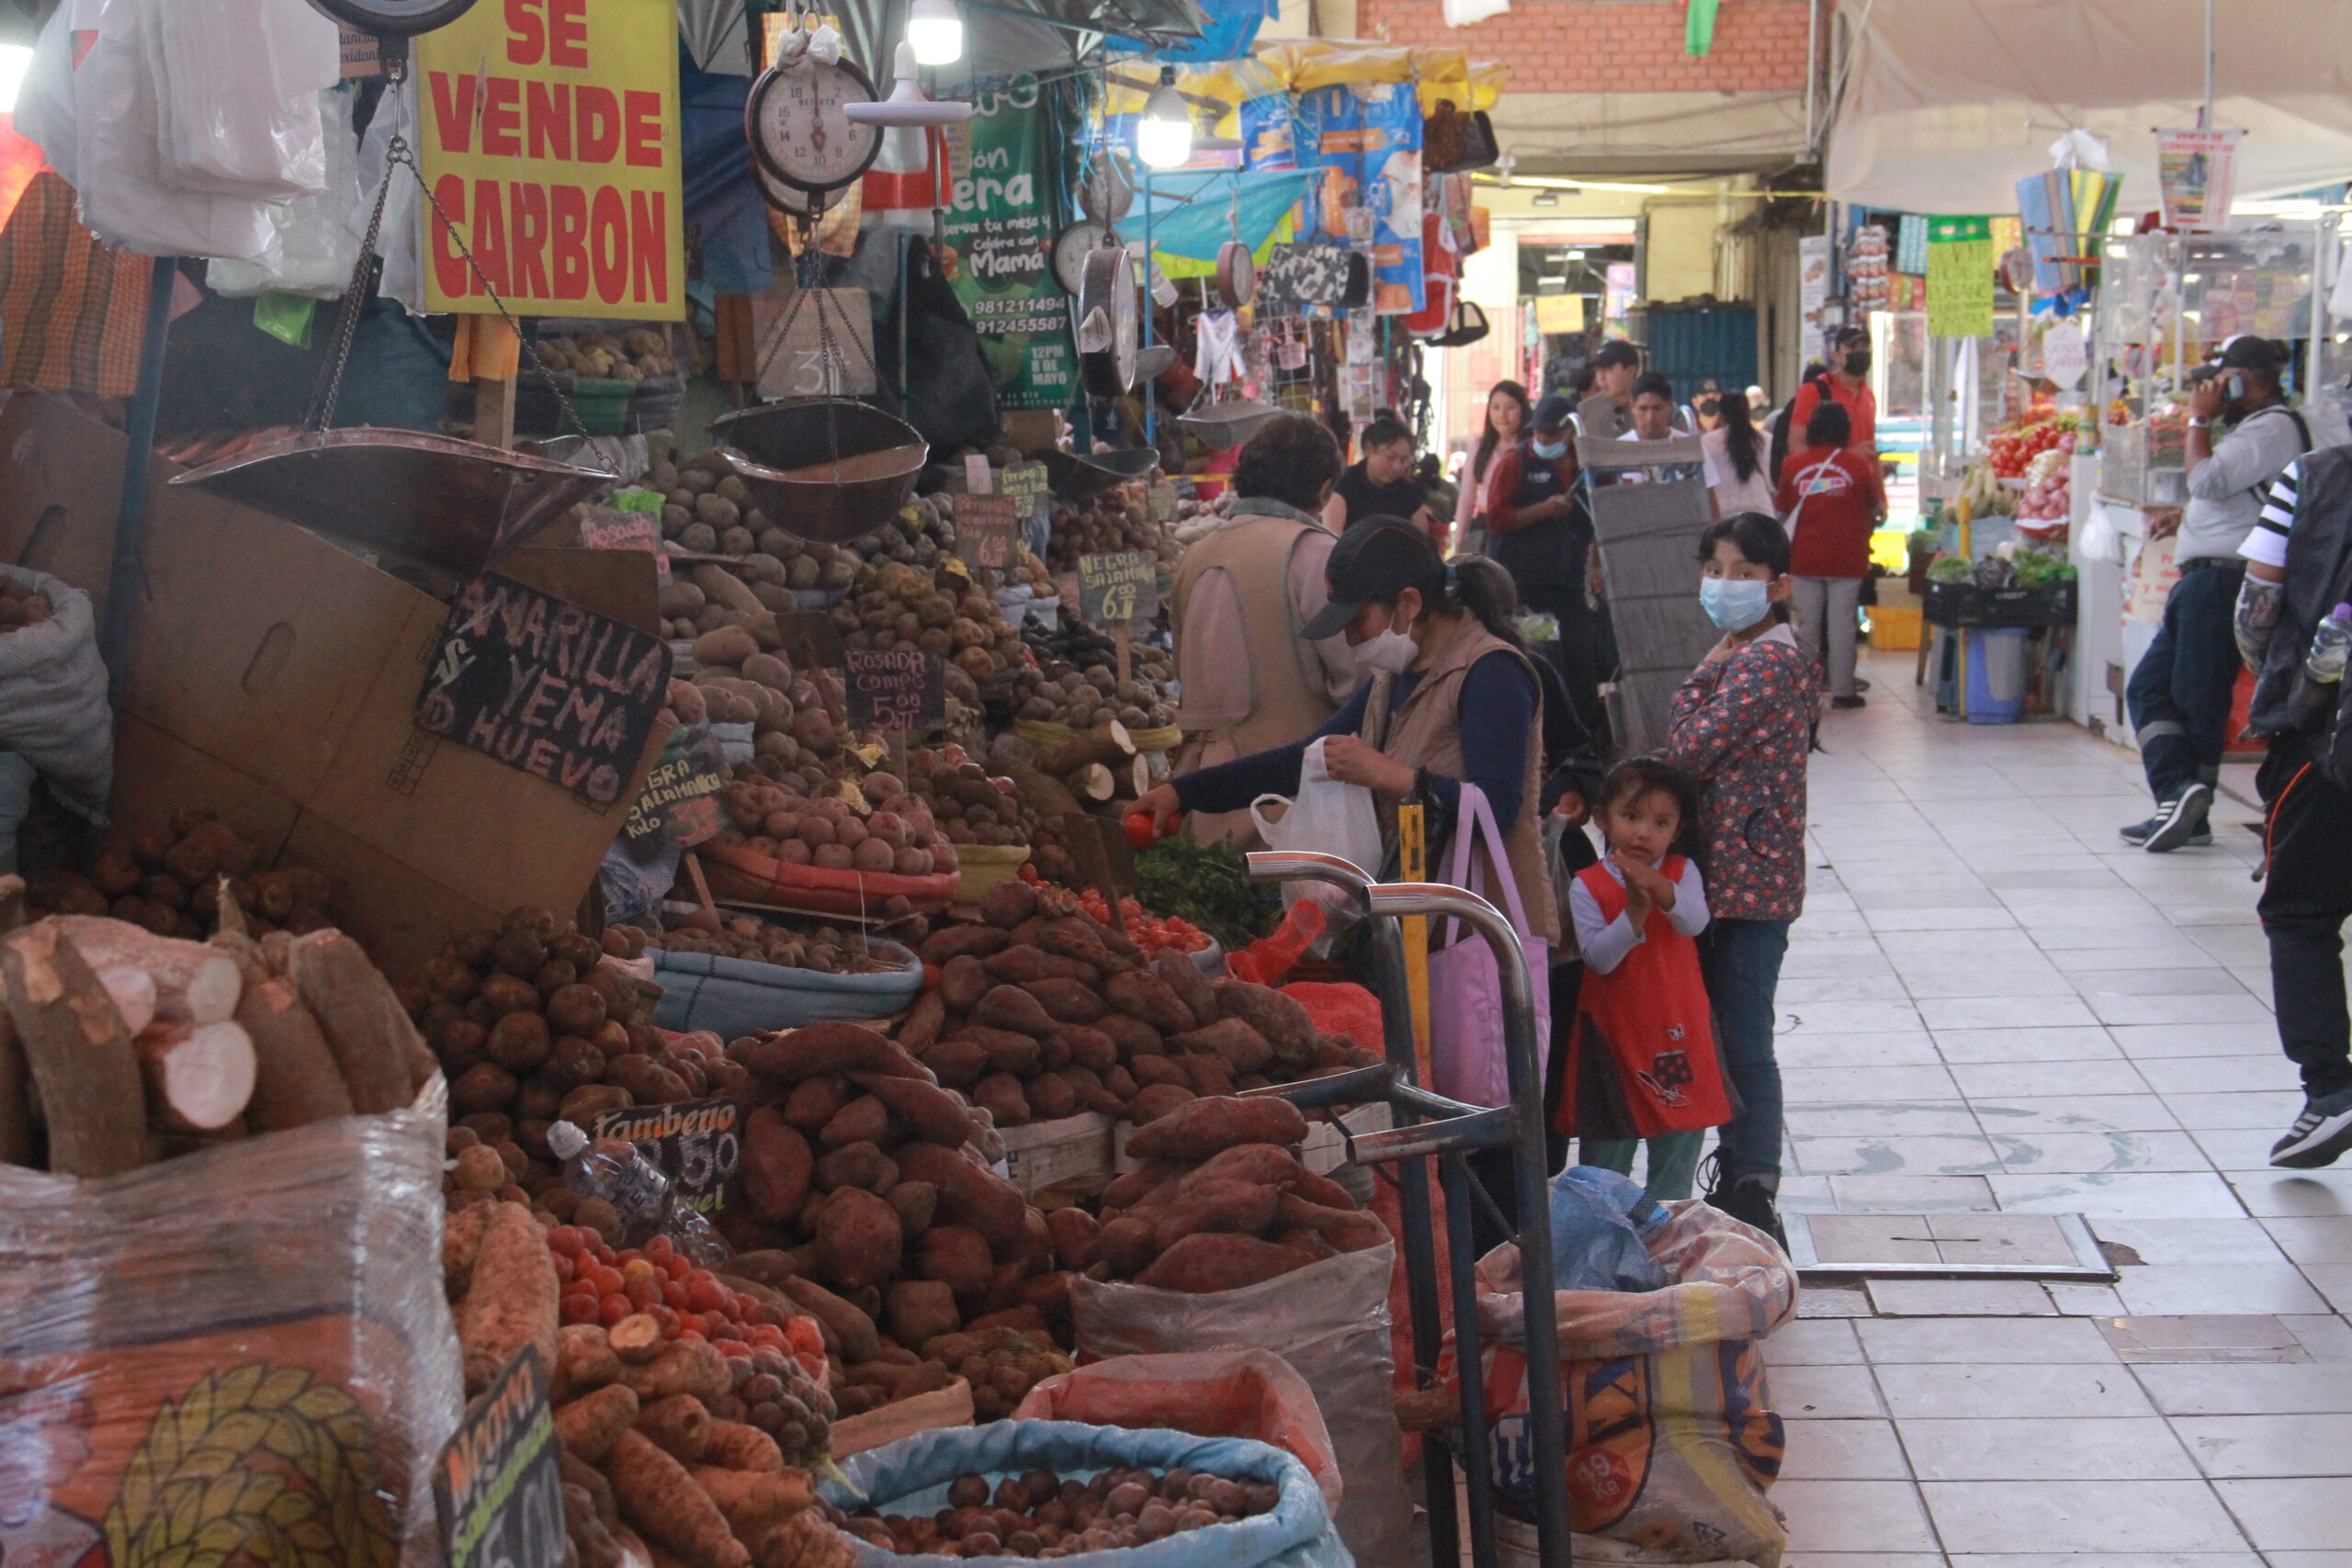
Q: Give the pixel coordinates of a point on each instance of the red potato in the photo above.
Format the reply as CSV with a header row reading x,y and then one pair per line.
x,y
776,1163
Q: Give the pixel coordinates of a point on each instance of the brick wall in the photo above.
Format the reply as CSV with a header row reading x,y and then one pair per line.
x,y
1585,46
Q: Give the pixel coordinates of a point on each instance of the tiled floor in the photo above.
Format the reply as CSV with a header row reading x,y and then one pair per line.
x,y
1993,1004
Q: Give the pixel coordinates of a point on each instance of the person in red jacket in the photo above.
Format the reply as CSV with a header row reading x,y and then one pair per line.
x,y
1831,499
1845,382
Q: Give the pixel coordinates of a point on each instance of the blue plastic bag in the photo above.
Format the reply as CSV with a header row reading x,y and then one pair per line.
x,y
1598,1220
911,1476
734,996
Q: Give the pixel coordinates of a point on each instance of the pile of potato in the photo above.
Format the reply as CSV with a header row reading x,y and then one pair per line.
x,y
1117,519
705,598
1081,699
1000,1365
169,880
1041,1515
825,950
971,806
652,1454
897,606
1220,1202
530,1028
1040,1016
21,606
632,357
808,817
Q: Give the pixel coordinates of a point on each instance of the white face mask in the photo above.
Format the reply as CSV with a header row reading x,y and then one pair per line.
x,y
1389,653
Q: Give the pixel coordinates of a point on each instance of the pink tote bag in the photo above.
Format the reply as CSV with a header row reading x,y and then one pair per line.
x,y
1467,1050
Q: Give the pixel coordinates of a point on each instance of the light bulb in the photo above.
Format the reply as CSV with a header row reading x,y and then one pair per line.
x,y
935,27
1164,134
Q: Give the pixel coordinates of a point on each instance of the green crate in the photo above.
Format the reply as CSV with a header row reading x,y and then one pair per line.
x,y
602,404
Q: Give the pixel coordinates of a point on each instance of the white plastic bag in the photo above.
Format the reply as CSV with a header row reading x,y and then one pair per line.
x,y
44,113
1333,819
238,85
401,242
318,236
53,711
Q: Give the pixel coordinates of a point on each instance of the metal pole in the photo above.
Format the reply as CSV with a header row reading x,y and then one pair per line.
x,y
2205,119
129,577
1150,430
1811,69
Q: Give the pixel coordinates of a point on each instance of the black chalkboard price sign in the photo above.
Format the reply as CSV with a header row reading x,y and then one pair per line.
x,y
544,687
984,525
899,688
1119,588
497,1485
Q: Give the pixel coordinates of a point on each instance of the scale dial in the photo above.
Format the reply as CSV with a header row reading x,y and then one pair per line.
x,y
394,18
1077,242
798,130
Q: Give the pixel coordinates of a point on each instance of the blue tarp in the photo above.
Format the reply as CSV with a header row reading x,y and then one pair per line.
x,y
1190,213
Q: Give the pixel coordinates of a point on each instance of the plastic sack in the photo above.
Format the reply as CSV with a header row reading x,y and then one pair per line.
x,y
1217,1393
237,105
246,1345
1671,1436
1332,818
1330,1322
735,997
911,1476
44,114
53,709
318,235
1597,1221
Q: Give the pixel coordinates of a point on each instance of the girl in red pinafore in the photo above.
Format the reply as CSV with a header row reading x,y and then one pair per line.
x,y
1642,1059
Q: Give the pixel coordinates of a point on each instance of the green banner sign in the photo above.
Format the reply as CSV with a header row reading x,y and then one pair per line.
x,y
1001,237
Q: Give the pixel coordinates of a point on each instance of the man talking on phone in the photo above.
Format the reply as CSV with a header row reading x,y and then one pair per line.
x,y
2241,434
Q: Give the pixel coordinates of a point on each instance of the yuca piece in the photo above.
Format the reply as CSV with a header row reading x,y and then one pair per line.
x,y
133,991
194,983
296,1080
199,1076
81,1055
369,1031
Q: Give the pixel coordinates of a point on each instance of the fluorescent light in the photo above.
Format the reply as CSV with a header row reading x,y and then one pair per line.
x,y
1547,198
1164,134
1554,182
15,60
1572,255
935,27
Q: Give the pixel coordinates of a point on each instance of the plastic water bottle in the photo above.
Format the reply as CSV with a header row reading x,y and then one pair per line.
x,y
639,1191
2330,644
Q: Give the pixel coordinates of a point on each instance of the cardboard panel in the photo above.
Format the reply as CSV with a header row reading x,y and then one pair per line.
x,y
59,507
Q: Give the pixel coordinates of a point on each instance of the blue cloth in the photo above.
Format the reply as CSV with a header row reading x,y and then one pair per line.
x,y
735,997
2181,689
1191,214
1741,960
1232,28
911,1477
1599,1218
720,196
1498,709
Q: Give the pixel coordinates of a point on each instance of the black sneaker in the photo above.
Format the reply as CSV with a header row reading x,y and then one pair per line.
x,y
1751,1200
1860,684
1848,702
2136,834
2180,819
2320,1134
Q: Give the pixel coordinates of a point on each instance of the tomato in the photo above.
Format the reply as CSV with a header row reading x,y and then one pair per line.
x,y
580,1306
642,1291
705,1293
614,1308
1029,874
658,1251
679,1268
733,1349
930,976
694,1324
668,1318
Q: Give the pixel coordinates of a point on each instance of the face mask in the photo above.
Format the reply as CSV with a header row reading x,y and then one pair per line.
x,y
1550,450
1735,603
1858,364
1389,653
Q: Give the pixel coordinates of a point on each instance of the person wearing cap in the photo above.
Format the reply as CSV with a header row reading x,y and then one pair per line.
x,y
1251,678
1846,381
1382,484
1608,411
1448,695
1538,531
2180,692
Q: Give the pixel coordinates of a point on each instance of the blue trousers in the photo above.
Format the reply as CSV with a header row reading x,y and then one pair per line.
x,y
2179,691
1741,960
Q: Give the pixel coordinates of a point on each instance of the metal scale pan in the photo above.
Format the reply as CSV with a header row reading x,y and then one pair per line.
x,y
826,469
421,497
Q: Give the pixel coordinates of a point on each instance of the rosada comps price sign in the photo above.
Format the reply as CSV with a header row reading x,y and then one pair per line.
x,y
552,146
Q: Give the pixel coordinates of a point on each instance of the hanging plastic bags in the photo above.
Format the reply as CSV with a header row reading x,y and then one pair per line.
x,y
318,235
238,85
1333,819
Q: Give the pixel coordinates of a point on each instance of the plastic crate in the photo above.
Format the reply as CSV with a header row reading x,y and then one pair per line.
x,y
1965,605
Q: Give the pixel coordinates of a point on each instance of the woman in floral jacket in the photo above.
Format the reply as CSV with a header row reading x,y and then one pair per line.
x,y
1742,723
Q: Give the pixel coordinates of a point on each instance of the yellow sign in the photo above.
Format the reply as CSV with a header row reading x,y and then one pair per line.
x,y
1559,312
1959,277
551,143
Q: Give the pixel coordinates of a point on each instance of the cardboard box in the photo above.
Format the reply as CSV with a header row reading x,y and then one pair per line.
x,y
274,675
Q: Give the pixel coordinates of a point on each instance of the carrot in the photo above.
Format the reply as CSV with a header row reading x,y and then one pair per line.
x,y
590,1425
806,1541
657,1495
738,1445
753,1502
513,1300
683,1366
583,1359
679,1422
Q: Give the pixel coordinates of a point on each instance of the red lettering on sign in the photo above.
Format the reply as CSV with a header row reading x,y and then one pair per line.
x,y
567,33
649,245
449,267
453,111
501,117
569,204
527,240
489,238
546,119
643,111
599,114
608,244
543,758
526,36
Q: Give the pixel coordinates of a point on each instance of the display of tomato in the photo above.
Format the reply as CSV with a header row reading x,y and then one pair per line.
x,y
1146,930
605,1285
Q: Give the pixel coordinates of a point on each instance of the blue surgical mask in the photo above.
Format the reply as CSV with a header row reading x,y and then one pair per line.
x,y
1735,603
1551,451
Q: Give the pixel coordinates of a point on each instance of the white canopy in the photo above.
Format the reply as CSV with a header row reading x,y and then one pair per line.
x,y
1950,103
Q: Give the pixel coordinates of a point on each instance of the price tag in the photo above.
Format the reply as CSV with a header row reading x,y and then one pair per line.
x,y
1161,500
698,1144
2064,356
1120,588
681,794
898,689
602,528
500,1492
985,528
1027,484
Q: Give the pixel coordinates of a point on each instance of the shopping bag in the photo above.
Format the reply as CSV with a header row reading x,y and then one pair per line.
x,y
53,709
1465,986
1333,819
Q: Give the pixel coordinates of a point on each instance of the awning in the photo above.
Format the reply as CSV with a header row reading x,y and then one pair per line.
x,y
1194,214
1001,37
1949,104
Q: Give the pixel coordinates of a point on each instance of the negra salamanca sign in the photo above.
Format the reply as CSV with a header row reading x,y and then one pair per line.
x,y
560,692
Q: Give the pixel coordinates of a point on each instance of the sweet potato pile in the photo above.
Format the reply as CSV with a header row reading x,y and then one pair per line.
x,y
1220,1202
1041,1515
658,1464
1039,1016
169,879
1001,1365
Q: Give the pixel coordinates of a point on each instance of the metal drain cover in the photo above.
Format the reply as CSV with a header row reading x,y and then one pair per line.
x,y
1950,1246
